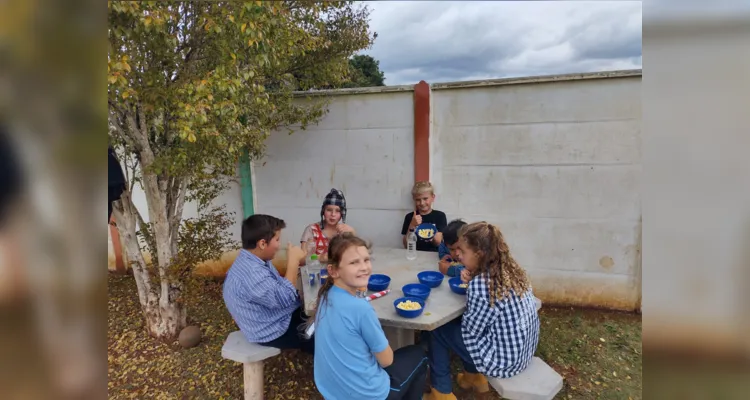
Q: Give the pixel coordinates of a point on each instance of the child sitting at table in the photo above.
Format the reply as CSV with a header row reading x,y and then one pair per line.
x,y
424,195
265,305
447,251
499,331
352,357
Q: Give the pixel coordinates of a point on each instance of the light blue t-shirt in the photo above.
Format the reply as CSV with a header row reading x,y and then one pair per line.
x,y
347,334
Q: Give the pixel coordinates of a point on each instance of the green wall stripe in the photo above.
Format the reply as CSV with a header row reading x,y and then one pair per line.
x,y
246,183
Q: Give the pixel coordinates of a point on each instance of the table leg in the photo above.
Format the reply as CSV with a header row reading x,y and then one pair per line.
x,y
399,337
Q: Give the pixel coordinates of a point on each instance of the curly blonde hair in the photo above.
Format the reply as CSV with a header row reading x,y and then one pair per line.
x,y
495,259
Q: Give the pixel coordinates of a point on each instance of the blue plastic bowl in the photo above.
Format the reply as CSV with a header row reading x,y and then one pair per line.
x,y
416,290
409,313
432,279
453,283
426,226
378,282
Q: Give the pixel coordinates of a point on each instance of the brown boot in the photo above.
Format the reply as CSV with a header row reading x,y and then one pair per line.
x,y
435,395
478,382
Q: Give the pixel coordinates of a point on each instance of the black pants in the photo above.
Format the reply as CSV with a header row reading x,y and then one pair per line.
x,y
408,373
292,338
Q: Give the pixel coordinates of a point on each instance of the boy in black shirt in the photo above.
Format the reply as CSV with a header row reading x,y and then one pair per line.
x,y
424,194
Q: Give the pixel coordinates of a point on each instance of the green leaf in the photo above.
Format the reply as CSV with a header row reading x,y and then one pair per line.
x,y
228,89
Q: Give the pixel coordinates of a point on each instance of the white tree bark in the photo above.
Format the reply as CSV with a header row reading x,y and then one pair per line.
x,y
162,307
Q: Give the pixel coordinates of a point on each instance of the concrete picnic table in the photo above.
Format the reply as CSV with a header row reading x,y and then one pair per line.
x,y
441,306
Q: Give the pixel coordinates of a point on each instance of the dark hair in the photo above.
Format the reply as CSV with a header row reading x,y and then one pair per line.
x,y
259,227
450,233
336,248
504,273
11,179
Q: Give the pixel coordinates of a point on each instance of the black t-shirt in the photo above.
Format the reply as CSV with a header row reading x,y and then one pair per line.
x,y
436,218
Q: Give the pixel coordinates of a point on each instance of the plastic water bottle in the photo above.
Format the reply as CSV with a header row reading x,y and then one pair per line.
x,y
313,269
310,248
411,245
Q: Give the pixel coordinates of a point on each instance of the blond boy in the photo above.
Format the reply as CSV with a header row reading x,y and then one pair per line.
x,y
424,195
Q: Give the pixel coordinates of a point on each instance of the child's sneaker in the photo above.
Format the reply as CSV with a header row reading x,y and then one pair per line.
x,y
435,395
478,382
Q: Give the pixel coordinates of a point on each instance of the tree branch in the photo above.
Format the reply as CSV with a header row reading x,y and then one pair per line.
x,y
143,229
176,216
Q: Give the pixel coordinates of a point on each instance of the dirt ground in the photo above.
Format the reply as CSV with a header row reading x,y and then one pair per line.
x,y
597,352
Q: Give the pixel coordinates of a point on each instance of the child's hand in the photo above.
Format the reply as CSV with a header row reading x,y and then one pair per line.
x,y
438,238
416,220
465,275
294,254
445,263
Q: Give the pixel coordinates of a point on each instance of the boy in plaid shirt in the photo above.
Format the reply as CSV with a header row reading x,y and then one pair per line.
x,y
499,331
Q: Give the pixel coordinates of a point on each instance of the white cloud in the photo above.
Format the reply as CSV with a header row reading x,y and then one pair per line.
x,y
439,41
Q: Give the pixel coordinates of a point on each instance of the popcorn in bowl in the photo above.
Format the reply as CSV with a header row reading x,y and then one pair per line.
x,y
409,305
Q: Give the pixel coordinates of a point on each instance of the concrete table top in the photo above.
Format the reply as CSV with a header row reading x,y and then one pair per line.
x,y
441,306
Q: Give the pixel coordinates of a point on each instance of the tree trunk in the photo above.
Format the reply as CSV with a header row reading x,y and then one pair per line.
x,y
161,306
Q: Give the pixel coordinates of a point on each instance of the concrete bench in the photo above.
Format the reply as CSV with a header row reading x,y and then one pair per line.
x,y
537,382
251,355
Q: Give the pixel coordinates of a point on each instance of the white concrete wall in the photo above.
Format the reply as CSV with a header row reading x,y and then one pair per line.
x,y
557,167
232,199
364,147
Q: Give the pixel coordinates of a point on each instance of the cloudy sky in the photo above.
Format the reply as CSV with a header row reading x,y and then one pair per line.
x,y
444,41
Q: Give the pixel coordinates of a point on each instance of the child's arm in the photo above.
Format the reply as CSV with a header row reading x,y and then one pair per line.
x,y
385,357
443,251
444,265
441,224
405,228
272,293
374,337
294,255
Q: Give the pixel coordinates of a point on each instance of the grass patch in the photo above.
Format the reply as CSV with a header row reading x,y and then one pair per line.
x,y
598,353
140,367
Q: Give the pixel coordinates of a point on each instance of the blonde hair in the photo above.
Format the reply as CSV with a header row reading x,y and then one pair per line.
x,y
494,259
421,187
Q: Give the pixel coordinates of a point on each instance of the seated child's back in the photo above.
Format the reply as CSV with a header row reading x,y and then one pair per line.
x,y
346,337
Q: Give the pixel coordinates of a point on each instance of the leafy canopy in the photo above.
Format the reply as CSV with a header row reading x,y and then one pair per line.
x,y
196,82
364,71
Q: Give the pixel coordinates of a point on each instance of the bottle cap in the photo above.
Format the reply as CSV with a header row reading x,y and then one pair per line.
x,y
314,257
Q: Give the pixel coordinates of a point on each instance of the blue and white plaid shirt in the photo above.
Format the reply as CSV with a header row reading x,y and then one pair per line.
x,y
260,300
501,339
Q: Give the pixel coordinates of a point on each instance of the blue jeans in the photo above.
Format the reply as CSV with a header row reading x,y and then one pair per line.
x,y
442,340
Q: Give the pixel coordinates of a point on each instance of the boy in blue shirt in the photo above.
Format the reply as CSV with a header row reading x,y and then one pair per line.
x,y
448,263
265,305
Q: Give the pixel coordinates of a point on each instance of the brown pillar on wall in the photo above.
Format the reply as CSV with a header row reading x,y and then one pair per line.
x,y
421,131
